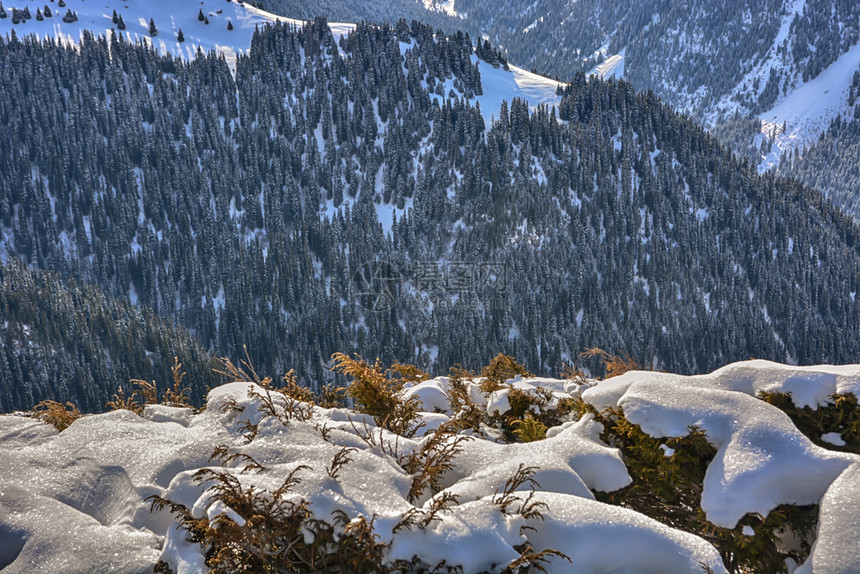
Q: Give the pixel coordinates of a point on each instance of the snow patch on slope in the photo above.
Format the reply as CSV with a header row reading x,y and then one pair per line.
x,y
444,6
169,18
611,67
500,84
808,110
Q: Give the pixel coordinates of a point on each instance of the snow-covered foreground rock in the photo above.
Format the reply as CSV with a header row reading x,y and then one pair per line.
x,y
75,501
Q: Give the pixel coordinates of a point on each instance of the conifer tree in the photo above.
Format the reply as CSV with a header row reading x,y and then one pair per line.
x,y
153,31
200,16
229,25
180,37
121,24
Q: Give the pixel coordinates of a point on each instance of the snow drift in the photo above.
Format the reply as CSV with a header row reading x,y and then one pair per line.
x,y
75,501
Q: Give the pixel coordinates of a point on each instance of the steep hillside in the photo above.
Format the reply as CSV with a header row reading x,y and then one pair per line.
x,y
342,192
768,76
831,163
210,25
707,58
64,341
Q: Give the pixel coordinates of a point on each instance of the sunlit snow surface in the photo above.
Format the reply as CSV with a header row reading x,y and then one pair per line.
x,y
74,501
169,17
807,111
500,84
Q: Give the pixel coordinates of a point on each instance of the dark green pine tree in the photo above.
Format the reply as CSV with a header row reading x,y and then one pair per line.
x,y
229,25
180,37
153,31
115,18
200,16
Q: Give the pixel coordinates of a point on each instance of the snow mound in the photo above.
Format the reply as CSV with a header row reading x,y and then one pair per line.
x,y
75,501
839,527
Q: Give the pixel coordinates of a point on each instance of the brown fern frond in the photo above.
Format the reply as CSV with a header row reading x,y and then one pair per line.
x,y
501,368
146,391
530,560
290,481
524,475
178,396
378,396
237,374
429,465
56,414
121,402
615,364
340,460
406,373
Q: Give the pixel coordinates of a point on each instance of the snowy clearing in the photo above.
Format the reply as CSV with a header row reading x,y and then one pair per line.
x,y
500,84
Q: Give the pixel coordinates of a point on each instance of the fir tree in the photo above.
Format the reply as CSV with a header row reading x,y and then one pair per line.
x,y
229,25
153,31
180,37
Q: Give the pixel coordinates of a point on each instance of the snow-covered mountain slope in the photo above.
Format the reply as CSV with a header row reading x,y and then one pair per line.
x,y
169,18
75,501
808,110
693,242
788,62
209,33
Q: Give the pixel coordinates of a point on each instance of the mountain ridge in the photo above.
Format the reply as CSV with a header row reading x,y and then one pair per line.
x,y
611,220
